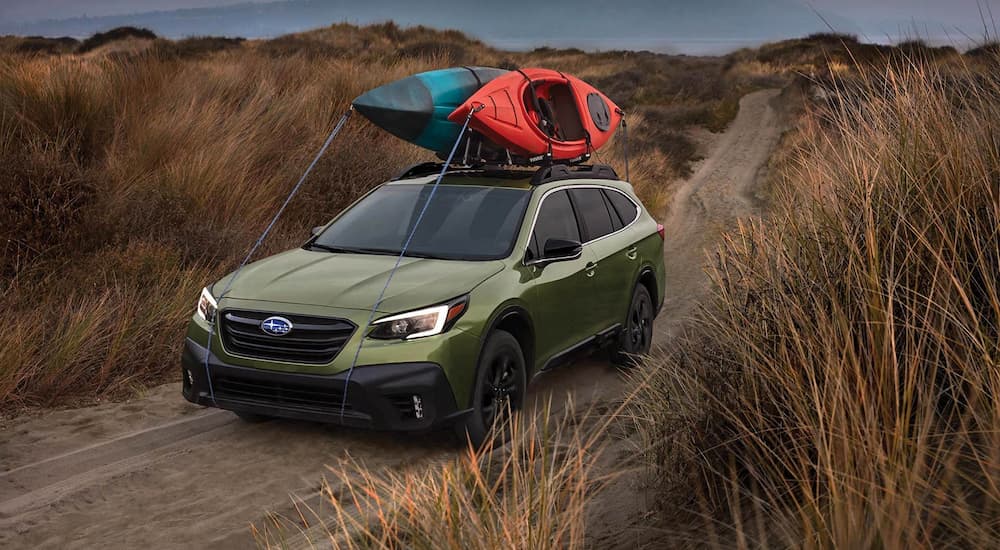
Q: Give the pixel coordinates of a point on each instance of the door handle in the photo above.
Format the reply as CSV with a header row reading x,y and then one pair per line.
x,y
589,268
632,253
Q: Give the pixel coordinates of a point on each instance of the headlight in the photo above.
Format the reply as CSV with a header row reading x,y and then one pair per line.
x,y
207,306
418,324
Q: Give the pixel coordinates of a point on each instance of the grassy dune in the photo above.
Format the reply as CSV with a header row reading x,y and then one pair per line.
x,y
841,392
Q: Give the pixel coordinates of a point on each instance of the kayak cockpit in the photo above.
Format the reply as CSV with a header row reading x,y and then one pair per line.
x,y
556,112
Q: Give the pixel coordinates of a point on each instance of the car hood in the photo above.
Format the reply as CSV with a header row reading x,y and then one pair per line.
x,y
355,280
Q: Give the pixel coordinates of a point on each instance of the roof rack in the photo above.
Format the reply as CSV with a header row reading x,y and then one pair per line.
x,y
558,172
555,172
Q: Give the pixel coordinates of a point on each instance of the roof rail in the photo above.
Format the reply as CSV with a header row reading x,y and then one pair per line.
x,y
419,169
558,172
555,172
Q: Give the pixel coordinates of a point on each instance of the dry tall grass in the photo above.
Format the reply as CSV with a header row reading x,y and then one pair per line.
x,y
531,493
844,393
135,181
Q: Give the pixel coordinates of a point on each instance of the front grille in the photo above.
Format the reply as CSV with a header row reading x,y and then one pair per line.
x,y
296,396
312,340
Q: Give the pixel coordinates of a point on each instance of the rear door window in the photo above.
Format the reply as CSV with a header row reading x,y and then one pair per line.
x,y
594,215
626,209
556,220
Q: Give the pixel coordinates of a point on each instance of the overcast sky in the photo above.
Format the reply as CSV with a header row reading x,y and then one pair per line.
x,y
947,12
697,27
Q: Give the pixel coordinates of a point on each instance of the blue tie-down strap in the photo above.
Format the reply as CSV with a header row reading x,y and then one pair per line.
x,y
260,240
402,253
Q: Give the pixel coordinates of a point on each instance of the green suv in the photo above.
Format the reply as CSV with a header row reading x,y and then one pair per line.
x,y
508,274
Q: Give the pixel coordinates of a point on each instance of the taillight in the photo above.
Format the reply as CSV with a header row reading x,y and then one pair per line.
x,y
661,231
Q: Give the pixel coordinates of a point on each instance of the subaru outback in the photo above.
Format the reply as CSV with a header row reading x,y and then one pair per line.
x,y
507,275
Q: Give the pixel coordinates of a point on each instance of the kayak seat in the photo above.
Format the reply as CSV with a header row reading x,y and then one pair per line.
x,y
547,119
567,117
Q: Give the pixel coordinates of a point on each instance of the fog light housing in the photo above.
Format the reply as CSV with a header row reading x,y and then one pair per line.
x,y
418,407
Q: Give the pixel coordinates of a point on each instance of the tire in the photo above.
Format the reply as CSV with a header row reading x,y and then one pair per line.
x,y
636,335
252,418
500,379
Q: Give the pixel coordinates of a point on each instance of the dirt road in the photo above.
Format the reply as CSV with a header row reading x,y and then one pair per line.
x,y
157,472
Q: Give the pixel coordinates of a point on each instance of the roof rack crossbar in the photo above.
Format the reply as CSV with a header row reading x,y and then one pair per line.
x,y
558,172
546,174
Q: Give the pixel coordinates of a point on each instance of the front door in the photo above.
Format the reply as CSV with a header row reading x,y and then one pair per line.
x,y
560,297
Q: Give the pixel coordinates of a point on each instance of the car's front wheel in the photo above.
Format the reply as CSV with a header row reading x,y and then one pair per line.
x,y
498,390
637,334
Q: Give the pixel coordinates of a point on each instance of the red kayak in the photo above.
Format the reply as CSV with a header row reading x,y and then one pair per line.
x,y
533,112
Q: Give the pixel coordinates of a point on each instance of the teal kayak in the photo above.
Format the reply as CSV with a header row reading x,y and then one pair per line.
x,y
416,108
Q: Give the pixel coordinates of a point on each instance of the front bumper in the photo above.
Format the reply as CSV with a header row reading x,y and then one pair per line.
x,y
399,396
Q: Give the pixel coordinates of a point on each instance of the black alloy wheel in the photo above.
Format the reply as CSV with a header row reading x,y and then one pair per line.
x,y
498,391
637,335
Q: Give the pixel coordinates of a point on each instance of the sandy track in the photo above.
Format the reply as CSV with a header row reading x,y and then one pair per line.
x,y
159,472
720,192
712,200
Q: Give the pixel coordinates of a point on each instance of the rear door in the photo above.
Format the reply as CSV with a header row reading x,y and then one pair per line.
x,y
626,257
612,252
561,291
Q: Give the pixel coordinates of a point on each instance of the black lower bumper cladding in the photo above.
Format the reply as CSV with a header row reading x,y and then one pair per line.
x,y
402,396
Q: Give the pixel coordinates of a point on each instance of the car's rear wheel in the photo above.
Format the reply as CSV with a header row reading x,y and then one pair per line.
x,y
498,390
637,334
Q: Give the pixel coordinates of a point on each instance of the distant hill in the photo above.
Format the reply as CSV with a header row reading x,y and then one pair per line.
x,y
626,24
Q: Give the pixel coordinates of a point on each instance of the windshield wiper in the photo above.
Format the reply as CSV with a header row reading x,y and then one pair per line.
x,y
410,254
352,250
378,251
328,248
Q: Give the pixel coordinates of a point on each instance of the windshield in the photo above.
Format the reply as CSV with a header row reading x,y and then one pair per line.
x,y
461,223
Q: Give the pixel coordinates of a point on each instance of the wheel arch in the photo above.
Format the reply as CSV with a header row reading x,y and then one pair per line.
x,y
515,320
647,278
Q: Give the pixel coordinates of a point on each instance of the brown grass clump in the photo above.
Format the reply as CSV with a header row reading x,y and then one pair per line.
x,y
531,493
133,183
844,392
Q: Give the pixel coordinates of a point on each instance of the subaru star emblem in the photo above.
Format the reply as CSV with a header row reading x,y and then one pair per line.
x,y
276,326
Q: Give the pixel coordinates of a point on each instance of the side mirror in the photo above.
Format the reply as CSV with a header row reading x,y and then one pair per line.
x,y
318,229
558,250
